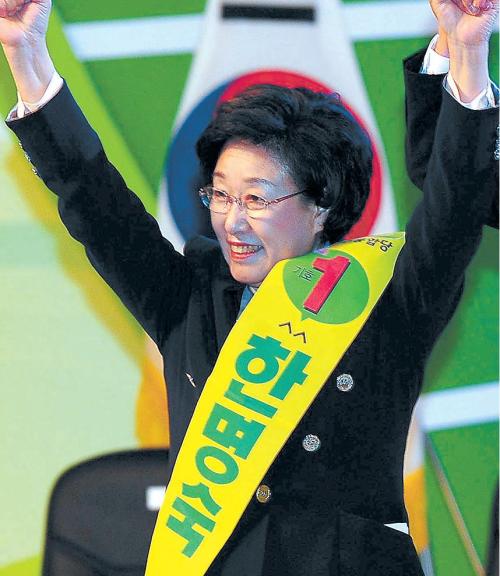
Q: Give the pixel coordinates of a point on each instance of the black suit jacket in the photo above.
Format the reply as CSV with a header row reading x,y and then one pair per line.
x,y
328,509
423,103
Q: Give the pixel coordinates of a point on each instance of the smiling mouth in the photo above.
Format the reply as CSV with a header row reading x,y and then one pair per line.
x,y
240,251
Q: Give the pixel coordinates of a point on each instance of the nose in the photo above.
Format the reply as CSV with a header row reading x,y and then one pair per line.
x,y
236,219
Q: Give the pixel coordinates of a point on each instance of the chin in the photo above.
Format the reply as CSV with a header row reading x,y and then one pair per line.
x,y
247,275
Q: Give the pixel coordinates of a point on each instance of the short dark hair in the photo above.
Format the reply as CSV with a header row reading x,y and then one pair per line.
x,y
325,150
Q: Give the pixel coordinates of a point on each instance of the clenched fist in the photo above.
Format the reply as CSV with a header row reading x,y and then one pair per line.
x,y
469,22
23,23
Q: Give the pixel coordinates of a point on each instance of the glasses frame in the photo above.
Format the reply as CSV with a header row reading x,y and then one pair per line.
x,y
233,199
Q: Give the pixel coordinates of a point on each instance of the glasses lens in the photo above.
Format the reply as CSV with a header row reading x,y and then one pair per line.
x,y
204,197
216,200
254,203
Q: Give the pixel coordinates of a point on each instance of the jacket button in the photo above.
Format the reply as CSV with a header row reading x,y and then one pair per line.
x,y
311,443
345,382
263,494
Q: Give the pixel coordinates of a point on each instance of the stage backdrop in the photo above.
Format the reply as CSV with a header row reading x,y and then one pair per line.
x,y
78,376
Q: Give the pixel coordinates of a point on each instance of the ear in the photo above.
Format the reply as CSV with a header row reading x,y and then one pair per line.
x,y
319,219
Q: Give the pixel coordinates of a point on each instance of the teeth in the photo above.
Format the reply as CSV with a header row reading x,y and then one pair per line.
x,y
245,249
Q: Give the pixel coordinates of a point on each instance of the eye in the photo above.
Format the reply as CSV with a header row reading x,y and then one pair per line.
x,y
219,195
254,202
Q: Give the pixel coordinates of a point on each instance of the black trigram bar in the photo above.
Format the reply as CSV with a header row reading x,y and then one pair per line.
x,y
268,12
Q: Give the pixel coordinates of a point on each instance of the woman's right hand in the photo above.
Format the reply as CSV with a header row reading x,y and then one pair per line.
x,y
23,23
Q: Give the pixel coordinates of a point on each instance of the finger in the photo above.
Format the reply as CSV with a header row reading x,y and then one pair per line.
x,y
486,5
3,8
477,6
467,6
10,7
13,5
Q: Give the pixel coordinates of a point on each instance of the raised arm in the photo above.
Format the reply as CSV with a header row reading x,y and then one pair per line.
x,y
445,229
470,29
123,242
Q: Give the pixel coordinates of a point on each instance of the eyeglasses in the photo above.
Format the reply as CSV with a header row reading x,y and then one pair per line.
x,y
220,202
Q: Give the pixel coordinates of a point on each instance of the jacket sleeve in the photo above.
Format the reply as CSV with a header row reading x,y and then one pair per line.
x,y
423,97
422,105
445,228
122,241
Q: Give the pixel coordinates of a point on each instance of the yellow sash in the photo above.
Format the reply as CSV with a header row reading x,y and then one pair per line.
x,y
274,362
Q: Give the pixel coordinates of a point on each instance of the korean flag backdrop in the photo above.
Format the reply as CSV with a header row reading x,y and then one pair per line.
x,y
80,379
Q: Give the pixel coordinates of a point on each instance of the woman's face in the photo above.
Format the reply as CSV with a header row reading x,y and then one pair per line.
x,y
253,244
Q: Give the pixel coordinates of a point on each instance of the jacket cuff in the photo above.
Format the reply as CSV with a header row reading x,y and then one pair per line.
x,y
56,137
483,122
412,66
478,140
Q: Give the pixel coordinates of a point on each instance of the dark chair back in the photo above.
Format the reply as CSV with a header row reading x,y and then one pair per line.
x,y
100,521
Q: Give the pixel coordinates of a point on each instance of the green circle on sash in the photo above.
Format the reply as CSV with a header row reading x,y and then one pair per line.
x,y
346,301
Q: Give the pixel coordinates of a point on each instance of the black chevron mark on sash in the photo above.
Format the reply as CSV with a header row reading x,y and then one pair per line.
x,y
288,325
290,331
303,334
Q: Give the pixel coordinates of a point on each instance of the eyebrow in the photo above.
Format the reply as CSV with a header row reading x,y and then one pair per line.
x,y
251,180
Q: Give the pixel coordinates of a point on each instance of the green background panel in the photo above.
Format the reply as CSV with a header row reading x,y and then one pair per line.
x,y
468,456
92,10
153,88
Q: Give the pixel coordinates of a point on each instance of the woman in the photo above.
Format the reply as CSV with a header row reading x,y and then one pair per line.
x,y
287,171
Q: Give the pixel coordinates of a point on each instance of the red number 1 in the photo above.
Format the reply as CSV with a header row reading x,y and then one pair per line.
x,y
333,269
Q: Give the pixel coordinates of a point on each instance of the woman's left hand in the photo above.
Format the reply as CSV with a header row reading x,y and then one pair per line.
x,y
467,22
